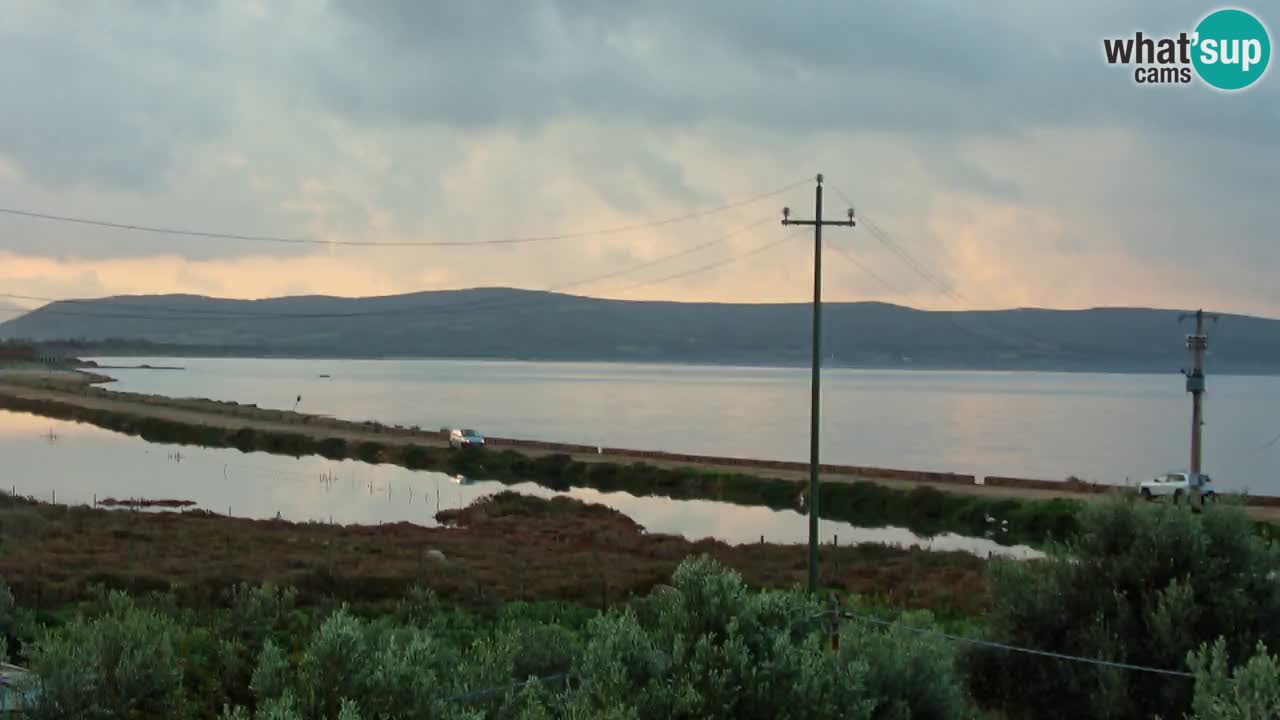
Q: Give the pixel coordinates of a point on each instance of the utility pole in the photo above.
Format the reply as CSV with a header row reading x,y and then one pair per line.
x,y
817,222
1196,344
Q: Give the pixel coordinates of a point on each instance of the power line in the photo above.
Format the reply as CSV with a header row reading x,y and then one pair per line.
x,y
1014,648
851,258
906,257
183,232
180,313
1270,443
986,330
712,266
421,311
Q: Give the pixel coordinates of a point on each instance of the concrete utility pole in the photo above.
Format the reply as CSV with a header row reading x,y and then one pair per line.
x,y
817,222
1196,344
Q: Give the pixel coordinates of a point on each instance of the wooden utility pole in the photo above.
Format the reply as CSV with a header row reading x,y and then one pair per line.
x,y
817,222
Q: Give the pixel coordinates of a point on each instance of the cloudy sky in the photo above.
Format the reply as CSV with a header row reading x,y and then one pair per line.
x,y
989,140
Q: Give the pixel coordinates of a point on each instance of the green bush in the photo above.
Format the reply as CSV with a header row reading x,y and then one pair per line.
x,y
333,448
712,649
16,623
1140,583
417,457
245,439
256,614
1248,692
370,451
122,664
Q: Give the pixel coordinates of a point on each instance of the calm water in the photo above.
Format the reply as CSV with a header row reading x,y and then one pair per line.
x,y
1046,425
73,464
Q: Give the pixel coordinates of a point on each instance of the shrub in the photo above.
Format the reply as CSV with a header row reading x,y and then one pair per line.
x,y
256,614
417,457
1249,691
122,664
712,649
244,439
16,624
333,448
1140,583
909,675
370,451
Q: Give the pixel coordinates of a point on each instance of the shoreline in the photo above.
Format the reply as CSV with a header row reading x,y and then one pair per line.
x,y
860,495
80,388
828,364
504,548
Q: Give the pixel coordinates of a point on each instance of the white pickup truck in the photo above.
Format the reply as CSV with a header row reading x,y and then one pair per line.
x,y
1177,485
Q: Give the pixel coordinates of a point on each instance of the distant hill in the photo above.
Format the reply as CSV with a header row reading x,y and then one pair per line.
x,y
521,324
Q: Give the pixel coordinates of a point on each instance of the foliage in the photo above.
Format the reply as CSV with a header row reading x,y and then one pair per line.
x,y
1141,583
1248,692
122,664
711,649
908,673
706,647
16,623
256,614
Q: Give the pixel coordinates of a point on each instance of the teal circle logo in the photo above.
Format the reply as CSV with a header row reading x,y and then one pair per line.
x,y
1232,49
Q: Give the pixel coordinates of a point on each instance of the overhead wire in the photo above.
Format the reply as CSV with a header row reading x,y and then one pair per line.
x,y
853,259
149,311
1014,648
985,331
906,257
713,266
185,232
457,312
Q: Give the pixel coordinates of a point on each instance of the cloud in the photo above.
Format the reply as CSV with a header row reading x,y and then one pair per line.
x,y
992,140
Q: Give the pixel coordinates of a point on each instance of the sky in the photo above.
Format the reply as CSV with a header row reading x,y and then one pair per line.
x,y
989,142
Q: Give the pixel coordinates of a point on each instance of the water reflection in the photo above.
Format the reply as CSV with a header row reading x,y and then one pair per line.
x,y
1100,427
87,463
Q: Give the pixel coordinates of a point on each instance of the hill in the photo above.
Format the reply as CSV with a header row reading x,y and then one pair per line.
x,y
521,324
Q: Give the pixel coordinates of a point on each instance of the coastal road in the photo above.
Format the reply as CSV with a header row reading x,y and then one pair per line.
x,y
79,389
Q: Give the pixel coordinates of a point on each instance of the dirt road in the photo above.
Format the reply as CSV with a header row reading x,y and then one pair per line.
x,y
80,391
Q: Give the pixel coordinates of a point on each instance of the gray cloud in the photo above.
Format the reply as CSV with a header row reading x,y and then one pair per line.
x,y
923,67
472,120
104,95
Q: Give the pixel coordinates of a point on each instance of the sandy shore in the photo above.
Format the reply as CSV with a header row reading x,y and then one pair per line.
x,y
79,388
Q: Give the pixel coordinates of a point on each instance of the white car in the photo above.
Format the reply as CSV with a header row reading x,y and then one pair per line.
x,y
1177,485
465,437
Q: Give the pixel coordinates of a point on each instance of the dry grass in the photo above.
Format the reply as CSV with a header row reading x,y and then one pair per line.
x,y
566,551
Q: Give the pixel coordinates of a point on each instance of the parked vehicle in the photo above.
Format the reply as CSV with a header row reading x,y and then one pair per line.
x,y
465,437
1177,485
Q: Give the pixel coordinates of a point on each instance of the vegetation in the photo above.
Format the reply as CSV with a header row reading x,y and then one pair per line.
x,y
1245,692
706,648
504,548
1141,584
1192,595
